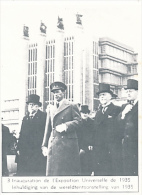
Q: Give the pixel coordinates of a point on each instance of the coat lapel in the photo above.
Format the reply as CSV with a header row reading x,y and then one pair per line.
x,y
134,109
62,107
109,109
102,117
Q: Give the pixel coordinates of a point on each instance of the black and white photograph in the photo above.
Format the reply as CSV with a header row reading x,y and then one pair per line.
x,y
71,96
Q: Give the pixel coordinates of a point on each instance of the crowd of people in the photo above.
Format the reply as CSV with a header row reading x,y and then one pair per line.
x,y
68,141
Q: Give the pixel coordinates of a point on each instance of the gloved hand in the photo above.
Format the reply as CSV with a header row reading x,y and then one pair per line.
x,y
44,151
61,128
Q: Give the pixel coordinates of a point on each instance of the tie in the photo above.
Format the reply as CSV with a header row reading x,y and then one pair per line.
x,y
104,109
57,104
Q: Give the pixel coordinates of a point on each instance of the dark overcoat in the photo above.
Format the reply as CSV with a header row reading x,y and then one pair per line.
x,y
107,142
63,150
86,136
130,141
31,162
6,142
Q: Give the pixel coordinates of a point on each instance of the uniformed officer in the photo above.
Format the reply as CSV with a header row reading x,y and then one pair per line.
x,y
60,143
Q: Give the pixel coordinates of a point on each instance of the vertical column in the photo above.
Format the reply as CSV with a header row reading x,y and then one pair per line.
x,y
23,63
89,72
59,55
78,64
41,55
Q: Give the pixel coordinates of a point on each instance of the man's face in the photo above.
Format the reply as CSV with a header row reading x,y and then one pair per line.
x,y
58,95
105,98
84,115
32,108
132,94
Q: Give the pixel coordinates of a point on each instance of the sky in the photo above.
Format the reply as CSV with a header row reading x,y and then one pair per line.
x,y
118,20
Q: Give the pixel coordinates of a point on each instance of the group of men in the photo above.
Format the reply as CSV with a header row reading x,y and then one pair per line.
x,y
65,141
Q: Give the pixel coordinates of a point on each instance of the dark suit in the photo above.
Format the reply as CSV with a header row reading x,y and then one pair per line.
x,y
130,141
31,162
86,135
107,141
63,150
6,142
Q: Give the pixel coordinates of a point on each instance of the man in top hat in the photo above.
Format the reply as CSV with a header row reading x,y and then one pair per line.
x,y
128,121
107,140
30,161
86,135
63,120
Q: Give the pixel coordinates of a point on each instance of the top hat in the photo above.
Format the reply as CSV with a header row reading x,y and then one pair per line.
x,y
105,88
132,84
58,86
33,98
84,109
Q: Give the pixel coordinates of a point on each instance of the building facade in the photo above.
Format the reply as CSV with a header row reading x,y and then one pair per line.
x,y
10,114
117,63
78,60
80,64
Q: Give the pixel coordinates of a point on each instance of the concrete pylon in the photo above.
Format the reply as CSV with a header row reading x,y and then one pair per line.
x,y
78,64
59,55
23,63
41,56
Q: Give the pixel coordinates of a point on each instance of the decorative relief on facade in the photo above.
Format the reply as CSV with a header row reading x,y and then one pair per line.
x,y
60,24
43,28
26,31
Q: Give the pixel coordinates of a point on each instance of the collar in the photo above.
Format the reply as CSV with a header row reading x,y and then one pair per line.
x,y
135,101
103,106
32,114
60,102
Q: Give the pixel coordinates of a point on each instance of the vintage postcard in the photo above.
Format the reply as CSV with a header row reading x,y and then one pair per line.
x,y
71,97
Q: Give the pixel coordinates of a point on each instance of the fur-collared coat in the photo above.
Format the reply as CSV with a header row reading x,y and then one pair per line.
x,y
31,162
63,150
130,141
107,142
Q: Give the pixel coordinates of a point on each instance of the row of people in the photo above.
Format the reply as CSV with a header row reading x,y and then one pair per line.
x,y
64,142
112,147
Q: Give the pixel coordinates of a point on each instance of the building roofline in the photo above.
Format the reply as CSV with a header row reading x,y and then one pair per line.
x,y
107,39
10,99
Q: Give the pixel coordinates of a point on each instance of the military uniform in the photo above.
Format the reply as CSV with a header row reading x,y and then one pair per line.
x,y
63,150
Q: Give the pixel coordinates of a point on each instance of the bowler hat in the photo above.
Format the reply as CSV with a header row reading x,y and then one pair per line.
x,y
84,109
58,86
132,84
33,98
105,88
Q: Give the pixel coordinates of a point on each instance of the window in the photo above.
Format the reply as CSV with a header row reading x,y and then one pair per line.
x,y
49,70
95,71
32,69
68,67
